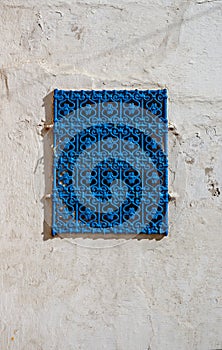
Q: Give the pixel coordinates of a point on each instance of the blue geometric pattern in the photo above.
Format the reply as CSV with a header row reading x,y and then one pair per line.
x,y
110,162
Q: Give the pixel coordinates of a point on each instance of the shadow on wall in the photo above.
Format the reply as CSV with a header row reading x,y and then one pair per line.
x,y
47,134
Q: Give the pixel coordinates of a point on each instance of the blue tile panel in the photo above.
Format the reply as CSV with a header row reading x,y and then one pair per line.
x,y
110,162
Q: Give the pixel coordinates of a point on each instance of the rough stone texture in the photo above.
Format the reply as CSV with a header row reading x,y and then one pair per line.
x,y
112,294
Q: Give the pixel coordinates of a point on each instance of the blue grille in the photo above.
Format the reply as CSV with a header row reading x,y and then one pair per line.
x,y
110,162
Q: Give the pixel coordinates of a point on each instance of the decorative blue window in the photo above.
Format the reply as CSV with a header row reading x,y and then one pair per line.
x,y
110,162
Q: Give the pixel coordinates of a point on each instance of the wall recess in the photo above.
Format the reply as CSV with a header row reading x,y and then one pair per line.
x,y
110,162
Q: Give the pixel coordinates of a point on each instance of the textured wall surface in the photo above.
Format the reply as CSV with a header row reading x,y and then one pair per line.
x,y
112,294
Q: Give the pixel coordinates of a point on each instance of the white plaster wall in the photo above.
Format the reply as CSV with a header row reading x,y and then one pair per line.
x,y
112,294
